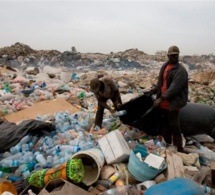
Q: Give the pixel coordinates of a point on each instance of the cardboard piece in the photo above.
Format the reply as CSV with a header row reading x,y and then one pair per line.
x,y
114,147
60,186
41,108
155,161
175,167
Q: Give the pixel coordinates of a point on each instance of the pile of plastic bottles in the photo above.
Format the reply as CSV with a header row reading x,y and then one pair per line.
x,y
33,153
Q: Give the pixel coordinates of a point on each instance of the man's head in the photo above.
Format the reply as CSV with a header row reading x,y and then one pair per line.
x,y
95,85
173,54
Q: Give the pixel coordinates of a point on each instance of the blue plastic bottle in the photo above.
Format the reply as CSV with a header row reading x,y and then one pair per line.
x,y
177,186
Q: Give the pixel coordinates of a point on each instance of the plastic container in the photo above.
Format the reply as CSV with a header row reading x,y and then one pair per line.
x,y
177,186
140,170
66,76
93,160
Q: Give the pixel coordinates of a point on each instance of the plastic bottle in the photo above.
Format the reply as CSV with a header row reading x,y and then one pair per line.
x,y
207,190
14,157
39,144
33,141
30,192
25,139
49,142
61,160
40,158
52,150
119,190
28,157
7,88
6,154
64,153
49,161
70,148
25,167
15,149
160,144
114,177
206,155
38,167
9,163
9,176
25,147
120,113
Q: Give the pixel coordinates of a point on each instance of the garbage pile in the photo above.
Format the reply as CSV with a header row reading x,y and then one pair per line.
x,y
50,146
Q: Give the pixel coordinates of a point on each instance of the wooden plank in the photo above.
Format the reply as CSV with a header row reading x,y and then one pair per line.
x,y
47,107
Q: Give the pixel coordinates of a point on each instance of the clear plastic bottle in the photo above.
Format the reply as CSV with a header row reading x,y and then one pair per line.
x,y
24,167
49,142
25,139
52,150
30,192
39,144
9,176
70,148
208,190
120,113
28,157
120,190
9,163
25,148
38,167
15,149
40,158
6,154
33,141
14,157
49,161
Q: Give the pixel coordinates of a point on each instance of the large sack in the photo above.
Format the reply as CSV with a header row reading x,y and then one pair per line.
x,y
197,119
194,118
11,134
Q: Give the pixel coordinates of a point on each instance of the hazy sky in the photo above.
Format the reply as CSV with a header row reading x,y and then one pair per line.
x,y
105,26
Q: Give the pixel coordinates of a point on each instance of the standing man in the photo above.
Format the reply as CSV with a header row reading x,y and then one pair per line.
x,y
172,95
104,88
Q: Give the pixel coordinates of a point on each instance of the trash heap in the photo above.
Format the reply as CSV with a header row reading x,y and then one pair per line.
x,y
48,144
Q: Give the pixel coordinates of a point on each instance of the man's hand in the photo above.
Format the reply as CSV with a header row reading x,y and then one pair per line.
x,y
157,101
112,111
118,106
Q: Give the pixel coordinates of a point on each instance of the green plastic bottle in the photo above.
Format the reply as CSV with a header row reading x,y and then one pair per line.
x,y
82,95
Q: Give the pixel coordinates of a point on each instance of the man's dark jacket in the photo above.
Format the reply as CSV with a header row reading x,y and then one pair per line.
x,y
177,86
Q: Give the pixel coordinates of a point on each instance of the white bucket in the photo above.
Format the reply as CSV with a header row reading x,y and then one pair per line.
x,y
93,161
66,76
